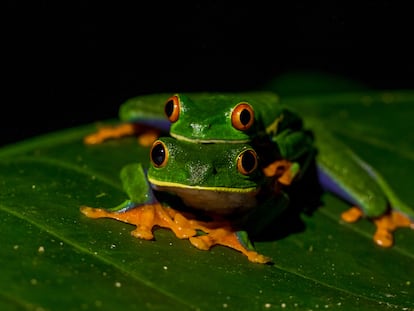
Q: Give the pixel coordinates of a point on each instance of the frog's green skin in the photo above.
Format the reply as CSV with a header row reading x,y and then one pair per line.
x,y
206,176
199,122
206,118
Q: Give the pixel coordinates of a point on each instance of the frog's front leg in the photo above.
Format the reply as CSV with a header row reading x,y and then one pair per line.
x,y
295,152
293,145
142,209
142,217
224,234
283,171
145,218
228,233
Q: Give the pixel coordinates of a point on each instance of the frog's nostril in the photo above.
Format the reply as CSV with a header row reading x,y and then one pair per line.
x,y
214,171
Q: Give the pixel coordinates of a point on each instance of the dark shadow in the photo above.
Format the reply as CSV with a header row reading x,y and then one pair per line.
x,y
304,198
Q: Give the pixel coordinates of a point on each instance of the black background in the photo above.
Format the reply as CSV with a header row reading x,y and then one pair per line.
x,y
75,64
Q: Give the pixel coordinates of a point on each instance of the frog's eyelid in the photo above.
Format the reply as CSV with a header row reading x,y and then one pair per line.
x,y
247,162
172,108
242,116
159,154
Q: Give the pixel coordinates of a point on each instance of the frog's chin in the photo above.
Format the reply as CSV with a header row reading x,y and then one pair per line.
x,y
217,200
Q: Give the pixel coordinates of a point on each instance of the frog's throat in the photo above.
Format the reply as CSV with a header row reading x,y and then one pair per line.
x,y
219,200
208,141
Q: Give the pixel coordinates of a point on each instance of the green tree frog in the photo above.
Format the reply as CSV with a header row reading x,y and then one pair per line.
x,y
208,193
277,135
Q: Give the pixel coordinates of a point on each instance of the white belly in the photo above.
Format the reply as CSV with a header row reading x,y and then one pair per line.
x,y
218,201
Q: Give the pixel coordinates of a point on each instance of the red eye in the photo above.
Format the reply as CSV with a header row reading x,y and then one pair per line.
x,y
242,117
172,108
159,154
247,162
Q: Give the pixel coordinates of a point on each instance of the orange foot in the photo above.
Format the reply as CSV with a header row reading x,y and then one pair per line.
x,y
221,232
385,224
146,217
146,135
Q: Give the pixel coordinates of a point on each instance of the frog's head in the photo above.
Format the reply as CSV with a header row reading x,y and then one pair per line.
x,y
221,178
218,117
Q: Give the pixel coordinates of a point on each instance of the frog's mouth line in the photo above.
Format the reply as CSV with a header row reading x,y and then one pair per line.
x,y
166,184
209,141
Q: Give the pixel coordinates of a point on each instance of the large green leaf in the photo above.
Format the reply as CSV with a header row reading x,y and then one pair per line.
x,y
54,258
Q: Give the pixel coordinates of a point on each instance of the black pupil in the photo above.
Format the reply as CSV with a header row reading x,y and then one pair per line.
x,y
169,108
248,161
158,154
245,117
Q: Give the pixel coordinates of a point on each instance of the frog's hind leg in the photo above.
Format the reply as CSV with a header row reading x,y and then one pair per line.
x,y
346,175
371,197
146,134
110,132
387,224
